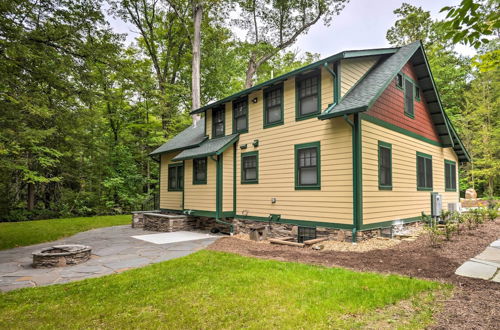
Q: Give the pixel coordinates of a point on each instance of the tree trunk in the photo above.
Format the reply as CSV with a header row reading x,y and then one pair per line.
x,y
31,196
195,75
251,70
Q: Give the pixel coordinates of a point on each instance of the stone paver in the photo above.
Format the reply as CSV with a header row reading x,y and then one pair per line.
x,y
113,251
485,265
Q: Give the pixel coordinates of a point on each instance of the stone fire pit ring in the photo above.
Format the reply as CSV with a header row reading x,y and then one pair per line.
x,y
61,255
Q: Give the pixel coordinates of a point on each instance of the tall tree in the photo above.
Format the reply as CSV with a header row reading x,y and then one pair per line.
x,y
272,26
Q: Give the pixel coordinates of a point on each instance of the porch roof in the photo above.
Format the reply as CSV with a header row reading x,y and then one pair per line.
x,y
208,148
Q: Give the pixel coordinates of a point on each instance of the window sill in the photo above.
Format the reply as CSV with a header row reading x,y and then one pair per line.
x,y
450,190
249,182
409,115
199,182
307,187
424,189
174,190
384,187
308,116
278,123
241,131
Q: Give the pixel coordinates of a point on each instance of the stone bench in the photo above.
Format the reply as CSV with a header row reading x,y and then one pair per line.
x,y
168,222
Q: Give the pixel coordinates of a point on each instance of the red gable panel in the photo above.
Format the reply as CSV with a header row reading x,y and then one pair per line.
x,y
389,107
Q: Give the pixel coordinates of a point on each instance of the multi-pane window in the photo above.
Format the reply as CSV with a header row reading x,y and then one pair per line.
x,y
450,175
409,98
384,166
308,97
250,167
424,171
218,115
175,177
240,116
307,166
200,170
273,106
417,93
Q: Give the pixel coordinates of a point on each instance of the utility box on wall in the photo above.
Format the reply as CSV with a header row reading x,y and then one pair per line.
x,y
436,204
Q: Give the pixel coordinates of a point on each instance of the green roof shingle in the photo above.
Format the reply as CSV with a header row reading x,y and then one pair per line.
x,y
208,148
189,138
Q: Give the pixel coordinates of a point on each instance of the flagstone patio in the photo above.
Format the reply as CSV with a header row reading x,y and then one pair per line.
x,y
114,250
485,265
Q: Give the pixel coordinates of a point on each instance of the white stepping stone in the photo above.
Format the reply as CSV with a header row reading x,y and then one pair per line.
x,y
175,237
476,270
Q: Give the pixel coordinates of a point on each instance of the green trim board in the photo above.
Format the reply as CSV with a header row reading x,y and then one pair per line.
x,y
299,147
209,214
357,178
398,129
386,224
219,184
243,156
452,167
298,80
234,177
306,223
425,157
196,166
333,58
240,100
265,93
387,146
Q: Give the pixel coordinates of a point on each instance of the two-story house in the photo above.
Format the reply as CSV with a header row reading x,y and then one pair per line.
x,y
354,141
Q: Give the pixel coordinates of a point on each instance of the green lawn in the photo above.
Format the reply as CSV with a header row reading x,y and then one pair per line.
x,y
14,234
213,290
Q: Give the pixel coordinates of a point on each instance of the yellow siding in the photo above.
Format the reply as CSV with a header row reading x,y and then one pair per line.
x,y
208,123
333,203
199,196
168,199
227,191
351,71
404,201
228,125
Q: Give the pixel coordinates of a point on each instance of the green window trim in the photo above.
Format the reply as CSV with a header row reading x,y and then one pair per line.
x,y
387,146
452,166
298,148
215,113
412,88
399,81
179,169
247,155
196,167
235,117
298,81
425,187
417,92
266,92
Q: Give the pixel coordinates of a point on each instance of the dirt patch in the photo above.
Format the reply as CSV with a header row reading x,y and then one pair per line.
x,y
475,303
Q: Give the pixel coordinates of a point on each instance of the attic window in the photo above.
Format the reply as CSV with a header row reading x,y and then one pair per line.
x,y
409,111
417,93
399,80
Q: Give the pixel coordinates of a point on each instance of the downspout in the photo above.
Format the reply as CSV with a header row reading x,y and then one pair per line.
x,y
219,195
356,173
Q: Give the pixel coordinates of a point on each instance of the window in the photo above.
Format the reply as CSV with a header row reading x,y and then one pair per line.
x,y
384,166
250,167
417,93
240,116
308,97
409,98
273,106
175,177
200,170
399,80
307,166
218,115
424,171
450,175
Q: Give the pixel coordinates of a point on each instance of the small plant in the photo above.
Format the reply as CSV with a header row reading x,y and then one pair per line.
x,y
492,214
432,229
449,229
459,220
469,220
483,213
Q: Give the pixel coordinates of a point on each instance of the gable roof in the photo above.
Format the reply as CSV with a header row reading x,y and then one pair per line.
x,y
189,138
208,148
342,55
363,95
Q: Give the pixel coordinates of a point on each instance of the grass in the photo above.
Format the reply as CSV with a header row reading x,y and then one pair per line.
x,y
212,290
13,234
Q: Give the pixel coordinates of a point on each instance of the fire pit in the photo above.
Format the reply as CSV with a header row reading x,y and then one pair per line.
x,y
61,255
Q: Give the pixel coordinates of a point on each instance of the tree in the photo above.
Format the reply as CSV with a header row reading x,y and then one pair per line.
x,y
274,26
471,22
413,24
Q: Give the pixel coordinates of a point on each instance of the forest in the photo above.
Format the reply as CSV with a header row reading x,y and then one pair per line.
x,y
81,108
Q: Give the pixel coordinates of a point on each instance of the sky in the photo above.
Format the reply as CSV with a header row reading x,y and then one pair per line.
x,y
362,24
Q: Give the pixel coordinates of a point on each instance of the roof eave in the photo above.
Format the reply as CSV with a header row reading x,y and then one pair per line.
x,y
178,149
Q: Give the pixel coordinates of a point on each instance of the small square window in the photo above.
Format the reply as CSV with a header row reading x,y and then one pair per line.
x,y
417,93
305,234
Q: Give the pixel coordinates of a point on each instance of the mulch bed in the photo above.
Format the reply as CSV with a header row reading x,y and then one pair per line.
x,y
475,303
